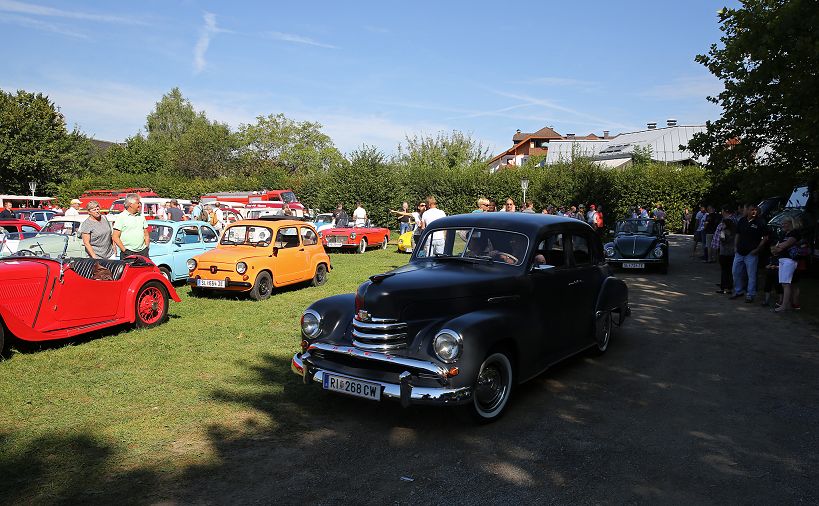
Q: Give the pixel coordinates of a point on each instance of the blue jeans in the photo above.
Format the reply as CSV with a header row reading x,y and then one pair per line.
x,y
403,228
746,263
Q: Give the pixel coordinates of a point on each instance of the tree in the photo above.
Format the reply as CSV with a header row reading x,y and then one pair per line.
x,y
769,65
277,141
456,150
137,156
171,118
204,150
35,144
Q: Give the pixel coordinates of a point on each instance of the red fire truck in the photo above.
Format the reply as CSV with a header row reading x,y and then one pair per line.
x,y
267,199
106,198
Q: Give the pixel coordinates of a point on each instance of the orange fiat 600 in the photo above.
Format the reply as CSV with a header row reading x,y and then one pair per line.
x,y
256,255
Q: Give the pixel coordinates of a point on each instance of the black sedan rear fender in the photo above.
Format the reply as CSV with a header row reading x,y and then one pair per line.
x,y
613,297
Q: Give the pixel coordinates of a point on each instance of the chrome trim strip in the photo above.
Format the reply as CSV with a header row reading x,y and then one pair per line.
x,y
417,395
381,357
378,326
378,337
379,347
379,320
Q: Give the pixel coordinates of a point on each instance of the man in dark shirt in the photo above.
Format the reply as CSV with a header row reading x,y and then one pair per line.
x,y
6,213
174,212
750,239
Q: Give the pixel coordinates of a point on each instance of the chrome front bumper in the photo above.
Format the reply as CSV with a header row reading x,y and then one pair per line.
x,y
404,391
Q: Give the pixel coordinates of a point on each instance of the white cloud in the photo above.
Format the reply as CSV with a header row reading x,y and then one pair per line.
x,y
297,39
41,10
559,81
36,24
202,44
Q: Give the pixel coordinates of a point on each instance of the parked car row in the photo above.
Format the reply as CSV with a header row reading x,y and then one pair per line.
x,y
485,303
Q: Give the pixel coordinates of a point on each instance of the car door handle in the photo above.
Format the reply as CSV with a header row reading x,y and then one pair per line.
x,y
502,299
575,282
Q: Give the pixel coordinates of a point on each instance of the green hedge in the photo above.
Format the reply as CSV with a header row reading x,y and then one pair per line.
x,y
383,185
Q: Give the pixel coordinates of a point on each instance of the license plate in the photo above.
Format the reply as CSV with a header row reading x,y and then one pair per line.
x,y
633,266
353,387
334,244
211,283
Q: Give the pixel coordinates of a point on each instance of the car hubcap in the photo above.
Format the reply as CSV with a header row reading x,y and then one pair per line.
x,y
151,305
603,331
490,387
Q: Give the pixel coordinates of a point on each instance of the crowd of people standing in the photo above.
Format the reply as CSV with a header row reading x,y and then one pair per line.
x,y
740,240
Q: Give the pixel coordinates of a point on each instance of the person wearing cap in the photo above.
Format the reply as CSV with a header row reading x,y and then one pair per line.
x,y
74,210
591,215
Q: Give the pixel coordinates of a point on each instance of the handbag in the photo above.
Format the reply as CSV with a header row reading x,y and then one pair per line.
x,y
101,273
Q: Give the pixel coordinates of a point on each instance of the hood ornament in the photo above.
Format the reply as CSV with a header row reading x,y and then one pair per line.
x,y
363,315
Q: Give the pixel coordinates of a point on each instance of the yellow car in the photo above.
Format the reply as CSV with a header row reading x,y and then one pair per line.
x,y
256,255
405,242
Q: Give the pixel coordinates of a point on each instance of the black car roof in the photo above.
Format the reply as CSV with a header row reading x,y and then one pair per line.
x,y
526,223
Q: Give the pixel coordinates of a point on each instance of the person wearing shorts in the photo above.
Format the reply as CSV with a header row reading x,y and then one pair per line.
x,y
787,261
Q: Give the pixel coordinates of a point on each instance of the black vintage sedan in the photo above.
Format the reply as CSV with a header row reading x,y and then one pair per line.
x,y
486,301
638,244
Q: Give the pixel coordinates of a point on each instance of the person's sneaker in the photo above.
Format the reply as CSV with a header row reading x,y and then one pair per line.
x,y
736,295
796,307
749,299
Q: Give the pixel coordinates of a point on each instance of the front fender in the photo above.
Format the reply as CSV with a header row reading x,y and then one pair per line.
x,y
336,314
136,283
482,331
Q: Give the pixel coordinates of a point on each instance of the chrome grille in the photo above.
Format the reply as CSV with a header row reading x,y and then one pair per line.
x,y
379,334
337,240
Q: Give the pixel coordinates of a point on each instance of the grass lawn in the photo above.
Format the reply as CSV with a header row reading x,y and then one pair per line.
x,y
131,408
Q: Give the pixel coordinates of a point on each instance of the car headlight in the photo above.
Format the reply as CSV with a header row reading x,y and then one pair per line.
x,y
310,322
352,235
191,263
241,267
448,345
609,251
658,252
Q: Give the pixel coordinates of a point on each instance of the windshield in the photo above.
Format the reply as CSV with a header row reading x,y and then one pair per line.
x,y
160,234
323,219
288,197
117,206
42,245
62,227
249,235
499,246
645,227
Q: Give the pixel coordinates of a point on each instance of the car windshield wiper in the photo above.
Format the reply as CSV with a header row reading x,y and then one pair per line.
x,y
469,259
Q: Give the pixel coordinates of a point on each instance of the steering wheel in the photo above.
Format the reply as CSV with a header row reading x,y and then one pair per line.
x,y
25,253
507,258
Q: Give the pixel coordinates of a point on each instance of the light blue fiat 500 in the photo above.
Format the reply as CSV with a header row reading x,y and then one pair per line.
x,y
174,242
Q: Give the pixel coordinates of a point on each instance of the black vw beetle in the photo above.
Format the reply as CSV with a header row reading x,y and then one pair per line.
x,y
638,243
487,301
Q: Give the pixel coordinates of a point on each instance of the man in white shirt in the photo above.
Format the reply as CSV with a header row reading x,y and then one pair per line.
x,y
74,210
360,216
431,214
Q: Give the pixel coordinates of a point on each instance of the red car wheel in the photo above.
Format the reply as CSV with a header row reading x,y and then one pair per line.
x,y
151,305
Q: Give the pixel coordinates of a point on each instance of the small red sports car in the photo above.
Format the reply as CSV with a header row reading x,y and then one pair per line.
x,y
44,299
358,238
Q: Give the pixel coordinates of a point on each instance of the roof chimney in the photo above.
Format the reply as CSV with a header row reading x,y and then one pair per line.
x,y
652,125
570,136
671,122
605,134
517,131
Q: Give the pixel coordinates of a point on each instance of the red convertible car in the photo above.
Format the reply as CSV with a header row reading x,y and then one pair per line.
x,y
358,238
44,299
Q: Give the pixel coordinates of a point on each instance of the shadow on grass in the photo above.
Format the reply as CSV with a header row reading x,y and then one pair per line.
x,y
663,417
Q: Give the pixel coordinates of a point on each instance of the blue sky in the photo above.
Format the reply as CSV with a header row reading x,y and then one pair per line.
x,y
370,72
